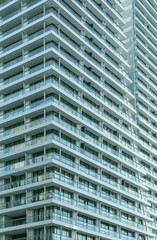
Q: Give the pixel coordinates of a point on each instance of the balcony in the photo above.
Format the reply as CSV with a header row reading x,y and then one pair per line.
x,y
72,202
15,61
31,20
58,217
14,13
5,2
96,20
62,179
42,102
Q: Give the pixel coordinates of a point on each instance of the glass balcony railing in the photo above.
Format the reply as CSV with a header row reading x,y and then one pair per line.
x,y
12,131
12,113
129,190
58,196
4,34
11,31
11,15
98,35
87,120
12,167
100,52
124,237
146,48
110,20
59,177
52,236
87,154
8,150
49,10
15,61
17,11
10,47
71,59
32,3
57,120
54,216
5,3
109,232
70,127
11,96
150,32
14,203
13,223
96,19
12,79
40,66
30,54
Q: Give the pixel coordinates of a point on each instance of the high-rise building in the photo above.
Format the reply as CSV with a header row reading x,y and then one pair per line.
x,y
78,149
141,42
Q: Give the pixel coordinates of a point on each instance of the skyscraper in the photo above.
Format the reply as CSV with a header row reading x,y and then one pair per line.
x,y
77,120
141,42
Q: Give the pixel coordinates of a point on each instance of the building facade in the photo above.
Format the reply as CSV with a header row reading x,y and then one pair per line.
x,y
78,120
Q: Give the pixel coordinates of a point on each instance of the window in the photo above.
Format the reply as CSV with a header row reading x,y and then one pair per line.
x,y
53,212
109,163
126,233
111,116
127,217
52,153
109,210
36,157
127,202
87,186
90,87
14,111
68,122
141,237
128,172
67,139
90,119
91,151
14,128
38,195
14,146
69,105
90,134
69,88
18,162
50,191
67,177
52,230
86,203
66,216
38,176
88,168
126,155
67,159
107,194
106,228
39,233
129,188
66,196
81,236
91,103
85,222
66,233
109,178
38,214
20,199
109,145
